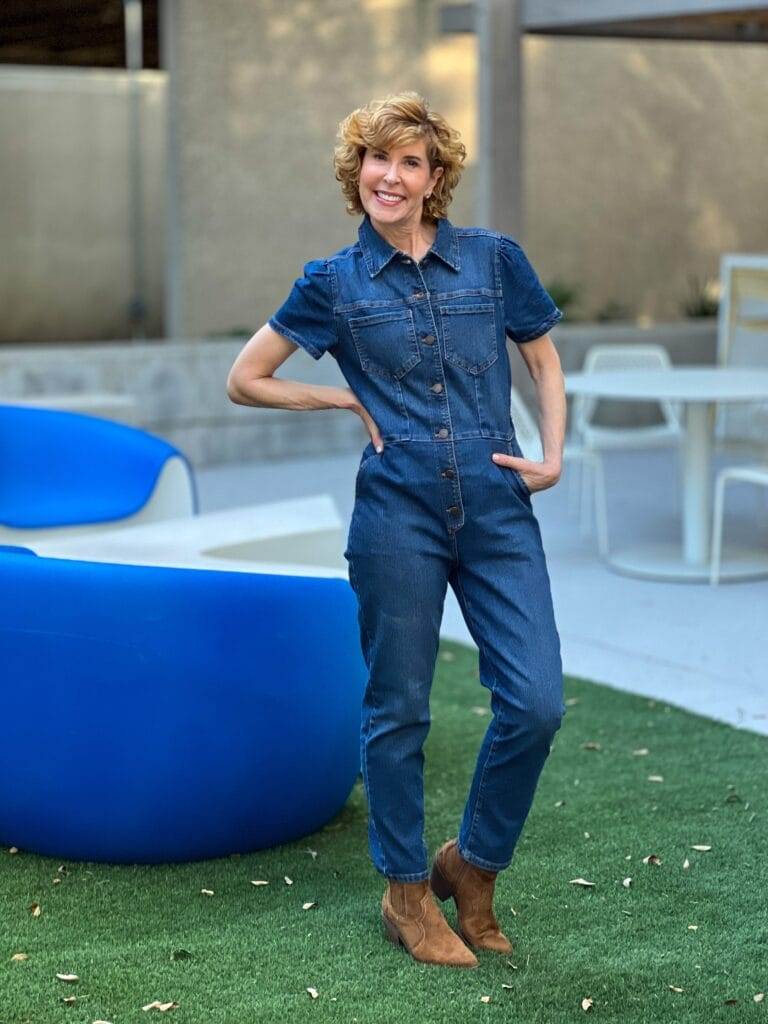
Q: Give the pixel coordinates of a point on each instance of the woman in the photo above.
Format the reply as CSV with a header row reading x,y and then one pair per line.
x,y
416,312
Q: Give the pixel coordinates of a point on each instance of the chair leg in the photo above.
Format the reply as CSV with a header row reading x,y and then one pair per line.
x,y
717,532
574,481
601,507
585,511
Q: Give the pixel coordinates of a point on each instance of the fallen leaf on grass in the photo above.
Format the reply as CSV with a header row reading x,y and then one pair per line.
x,y
20,956
641,752
586,1004
702,848
758,997
693,927
485,999
559,803
313,853
207,892
259,881
288,881
157,1005
56,881
580,881
67,977
651,859
505,985
13,849
36,909
655,778
675,988
627,882
69,1000
571,701
308,906
313,992
686,863
591,745
479,710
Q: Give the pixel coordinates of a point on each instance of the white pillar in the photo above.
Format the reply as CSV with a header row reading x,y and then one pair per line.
x,y
499,115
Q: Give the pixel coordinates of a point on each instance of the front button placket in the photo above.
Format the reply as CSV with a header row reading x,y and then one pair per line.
x,y
440,413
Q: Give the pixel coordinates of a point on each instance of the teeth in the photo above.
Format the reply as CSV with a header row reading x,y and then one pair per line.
x,y
388,195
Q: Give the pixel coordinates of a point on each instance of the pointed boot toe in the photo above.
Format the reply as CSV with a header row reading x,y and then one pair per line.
x,y
412,918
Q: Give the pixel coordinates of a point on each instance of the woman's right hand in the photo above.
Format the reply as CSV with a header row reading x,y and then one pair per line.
x,y
357,406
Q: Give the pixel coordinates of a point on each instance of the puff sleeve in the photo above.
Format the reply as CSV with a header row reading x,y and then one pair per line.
x,y
306,317
529,310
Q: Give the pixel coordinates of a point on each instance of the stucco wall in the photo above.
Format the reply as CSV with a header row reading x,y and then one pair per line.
x,y
643,160
65,255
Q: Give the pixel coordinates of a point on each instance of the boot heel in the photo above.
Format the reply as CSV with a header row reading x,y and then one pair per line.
x,y
391,932
439,884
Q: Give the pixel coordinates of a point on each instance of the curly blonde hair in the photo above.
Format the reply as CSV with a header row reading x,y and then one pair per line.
x,y
398,119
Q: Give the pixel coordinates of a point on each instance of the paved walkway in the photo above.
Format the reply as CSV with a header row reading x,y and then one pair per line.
x,y
699,647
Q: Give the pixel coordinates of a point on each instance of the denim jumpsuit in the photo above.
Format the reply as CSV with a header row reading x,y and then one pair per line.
x,y
422,345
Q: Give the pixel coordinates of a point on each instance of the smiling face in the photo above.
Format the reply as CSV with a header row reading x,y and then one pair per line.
x,y
393,183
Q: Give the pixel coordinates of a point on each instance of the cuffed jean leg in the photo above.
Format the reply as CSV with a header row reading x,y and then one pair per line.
x,y
505,599
400,606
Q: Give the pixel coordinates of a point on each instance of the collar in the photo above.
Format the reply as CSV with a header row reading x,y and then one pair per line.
x,y
378,252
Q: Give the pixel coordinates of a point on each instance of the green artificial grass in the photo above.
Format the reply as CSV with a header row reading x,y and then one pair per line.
x,y
137,934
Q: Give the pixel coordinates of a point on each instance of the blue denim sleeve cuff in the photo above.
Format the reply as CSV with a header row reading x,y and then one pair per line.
x,y
313,350
542,329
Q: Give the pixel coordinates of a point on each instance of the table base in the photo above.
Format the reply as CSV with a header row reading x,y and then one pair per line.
x,y
664,561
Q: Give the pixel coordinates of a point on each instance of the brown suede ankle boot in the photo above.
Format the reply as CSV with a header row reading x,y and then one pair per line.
x,y
412,918
472,890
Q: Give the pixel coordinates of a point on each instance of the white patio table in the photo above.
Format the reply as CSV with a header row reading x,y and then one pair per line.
x,y
698,389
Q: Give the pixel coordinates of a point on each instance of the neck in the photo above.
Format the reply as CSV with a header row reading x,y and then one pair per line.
x,y
412,238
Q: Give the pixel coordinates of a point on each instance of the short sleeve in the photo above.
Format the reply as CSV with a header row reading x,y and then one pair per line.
x,y
306,317
529,310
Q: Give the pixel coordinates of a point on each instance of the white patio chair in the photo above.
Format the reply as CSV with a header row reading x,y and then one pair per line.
x,y
528,436
755,474
617,359
608,358
742,340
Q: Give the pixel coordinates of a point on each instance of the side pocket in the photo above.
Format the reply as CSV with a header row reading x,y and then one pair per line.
x,y
514,449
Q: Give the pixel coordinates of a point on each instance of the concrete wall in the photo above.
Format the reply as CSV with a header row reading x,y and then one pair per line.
x,y
179,387
643,160
65,256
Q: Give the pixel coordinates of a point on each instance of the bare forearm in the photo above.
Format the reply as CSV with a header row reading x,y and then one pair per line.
x,y
551,403
276,393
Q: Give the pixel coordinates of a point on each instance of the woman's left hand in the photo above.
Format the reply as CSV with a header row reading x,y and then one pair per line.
x,y
538,476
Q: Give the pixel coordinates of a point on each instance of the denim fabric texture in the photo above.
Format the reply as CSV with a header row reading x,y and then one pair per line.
x,y
422,345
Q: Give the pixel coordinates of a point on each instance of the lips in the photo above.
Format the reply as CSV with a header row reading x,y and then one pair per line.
x,y
389,200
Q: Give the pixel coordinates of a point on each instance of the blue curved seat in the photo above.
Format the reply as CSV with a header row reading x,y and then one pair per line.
x,y
65,468
156,714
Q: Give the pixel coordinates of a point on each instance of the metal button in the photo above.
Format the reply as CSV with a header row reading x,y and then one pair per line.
x,y
454,510
428,339
418,295
442,432
437,387
448,473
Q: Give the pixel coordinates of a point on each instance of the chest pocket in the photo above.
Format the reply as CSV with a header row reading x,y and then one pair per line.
x,y
469,333
386,343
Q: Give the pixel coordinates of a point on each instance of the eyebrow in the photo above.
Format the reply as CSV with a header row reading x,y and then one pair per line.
x,y
408,156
